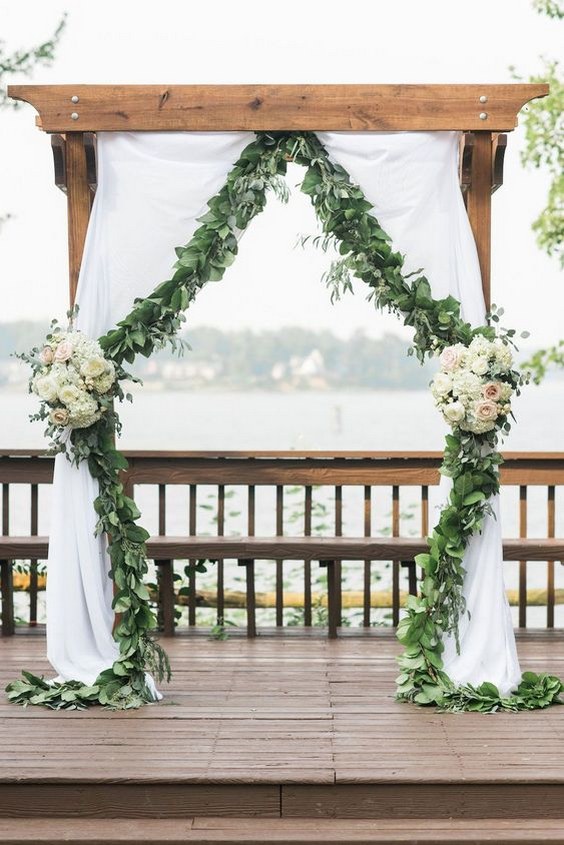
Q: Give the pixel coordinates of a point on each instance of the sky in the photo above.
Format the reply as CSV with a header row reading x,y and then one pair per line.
x,y
273,284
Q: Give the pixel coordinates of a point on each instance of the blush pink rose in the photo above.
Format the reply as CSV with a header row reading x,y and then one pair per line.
x,y
486,410
46,355
492,391
63,351
449,358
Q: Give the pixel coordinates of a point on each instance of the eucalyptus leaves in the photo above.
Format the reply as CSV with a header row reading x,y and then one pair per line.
x,y
470,456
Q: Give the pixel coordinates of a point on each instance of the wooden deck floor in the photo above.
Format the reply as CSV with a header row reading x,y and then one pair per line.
x,y
292,727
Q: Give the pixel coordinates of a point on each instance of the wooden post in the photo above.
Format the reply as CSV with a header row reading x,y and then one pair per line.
x,y
78,205
479,204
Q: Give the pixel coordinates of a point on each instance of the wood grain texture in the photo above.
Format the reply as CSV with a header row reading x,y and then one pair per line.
x,y
284,831
298,727
479,206
78,205
276,107
279,468
290,548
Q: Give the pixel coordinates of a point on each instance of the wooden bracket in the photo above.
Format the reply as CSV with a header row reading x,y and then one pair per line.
x,y
499,146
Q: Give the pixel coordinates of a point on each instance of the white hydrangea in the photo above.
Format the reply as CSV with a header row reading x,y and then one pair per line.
x,y
506,391
466,385
480,345
84,412
503,356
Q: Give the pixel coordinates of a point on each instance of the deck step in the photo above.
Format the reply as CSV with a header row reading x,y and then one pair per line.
x,y
231,831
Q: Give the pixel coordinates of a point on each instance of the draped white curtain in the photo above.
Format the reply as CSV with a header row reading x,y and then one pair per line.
x,y
151,189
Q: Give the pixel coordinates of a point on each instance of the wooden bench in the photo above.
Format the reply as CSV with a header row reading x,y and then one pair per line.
x,y
328,551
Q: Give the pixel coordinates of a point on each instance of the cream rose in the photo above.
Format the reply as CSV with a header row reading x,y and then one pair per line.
x,y
68,394
480,365
442,384
93,368
59,416
492,391
454,412
46,355
63,351
449,358
486,410
46,388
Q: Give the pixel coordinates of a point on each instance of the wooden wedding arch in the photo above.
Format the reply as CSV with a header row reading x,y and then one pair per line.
x,y
72,114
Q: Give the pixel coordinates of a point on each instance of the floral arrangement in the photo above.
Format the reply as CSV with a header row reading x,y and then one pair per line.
x,y
474,385
73,380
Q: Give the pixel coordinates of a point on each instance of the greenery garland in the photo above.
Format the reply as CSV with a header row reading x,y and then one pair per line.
x,y
470,459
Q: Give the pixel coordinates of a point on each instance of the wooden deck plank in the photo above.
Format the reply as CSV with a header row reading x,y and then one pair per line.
x,y
252,831
267,727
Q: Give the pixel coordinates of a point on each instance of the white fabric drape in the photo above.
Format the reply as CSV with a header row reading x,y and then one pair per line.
x,y
412,180
151,188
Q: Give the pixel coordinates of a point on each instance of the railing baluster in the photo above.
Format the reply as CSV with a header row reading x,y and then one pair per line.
x,y
192,506
250,566
523,563
551,525
8,622
5,509
251,598
33,563
162,510
165,572
165,577
220,563
367,594
307,563
395,563
6,571
279,563
337,564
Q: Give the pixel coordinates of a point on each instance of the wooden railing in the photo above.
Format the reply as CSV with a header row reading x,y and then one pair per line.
x,y
186,497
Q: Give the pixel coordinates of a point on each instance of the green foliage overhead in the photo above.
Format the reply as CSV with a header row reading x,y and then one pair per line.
x,y
25,60
544,128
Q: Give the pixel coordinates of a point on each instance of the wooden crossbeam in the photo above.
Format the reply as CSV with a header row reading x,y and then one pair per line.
x,y
88,108
289,548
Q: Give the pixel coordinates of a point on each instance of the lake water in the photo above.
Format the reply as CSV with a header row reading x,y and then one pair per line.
x,y
379,420
376,420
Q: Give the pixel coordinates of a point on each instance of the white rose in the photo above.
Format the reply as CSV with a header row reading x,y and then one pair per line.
x,y
454,412
479,365
68,394
103,383
46,388
442,384
93,368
